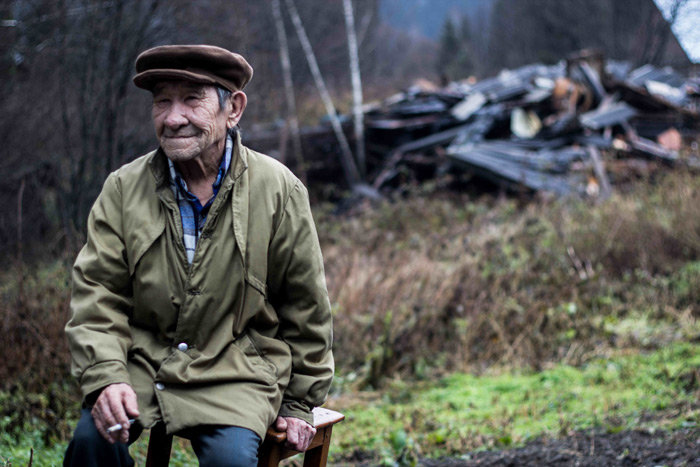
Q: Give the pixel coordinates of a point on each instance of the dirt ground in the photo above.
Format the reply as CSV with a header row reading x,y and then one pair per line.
x,y
630,448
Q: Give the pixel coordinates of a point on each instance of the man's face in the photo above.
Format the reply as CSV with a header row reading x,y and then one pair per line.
x,y
187,119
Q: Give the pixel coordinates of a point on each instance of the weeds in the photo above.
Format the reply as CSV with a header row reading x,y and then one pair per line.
x,y
448,283
33,312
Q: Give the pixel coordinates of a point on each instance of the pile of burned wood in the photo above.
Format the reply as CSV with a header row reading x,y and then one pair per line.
x,y
577,127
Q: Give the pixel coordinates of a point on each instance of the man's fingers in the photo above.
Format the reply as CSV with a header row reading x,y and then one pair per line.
x,y
98,420
309,433
105,412
117,408
305,441
310,437
292,434
299,433
111,408
131,407
130,403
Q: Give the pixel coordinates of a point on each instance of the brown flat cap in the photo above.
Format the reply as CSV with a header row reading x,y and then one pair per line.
x,y
205,64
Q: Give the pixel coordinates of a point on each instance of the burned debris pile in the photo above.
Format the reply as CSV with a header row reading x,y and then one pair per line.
x,y
571,128
575,128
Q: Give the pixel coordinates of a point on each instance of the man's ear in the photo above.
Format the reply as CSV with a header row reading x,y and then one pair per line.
x,y
238,103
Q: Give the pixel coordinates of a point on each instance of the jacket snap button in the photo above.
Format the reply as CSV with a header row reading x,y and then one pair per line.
x,y
160,386
182,347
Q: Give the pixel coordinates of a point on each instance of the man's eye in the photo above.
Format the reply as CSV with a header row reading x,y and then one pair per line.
x,y
191,98
161,102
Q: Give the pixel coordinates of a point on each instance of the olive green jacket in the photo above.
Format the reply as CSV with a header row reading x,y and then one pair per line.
x,y
239,336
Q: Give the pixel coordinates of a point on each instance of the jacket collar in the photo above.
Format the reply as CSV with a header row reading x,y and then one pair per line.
x,y
236,176
239,158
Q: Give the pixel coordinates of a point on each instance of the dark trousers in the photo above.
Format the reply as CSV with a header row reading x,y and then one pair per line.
x,y
214,445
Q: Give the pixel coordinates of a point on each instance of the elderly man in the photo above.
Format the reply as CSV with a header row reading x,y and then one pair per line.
x,y
199,299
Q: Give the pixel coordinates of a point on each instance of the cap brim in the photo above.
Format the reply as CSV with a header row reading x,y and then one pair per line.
x,y
148,79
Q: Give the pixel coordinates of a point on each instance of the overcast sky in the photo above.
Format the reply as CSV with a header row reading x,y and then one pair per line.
x,y
687,25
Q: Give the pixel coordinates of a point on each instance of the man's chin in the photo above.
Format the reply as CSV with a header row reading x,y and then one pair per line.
x,y
180,156
178,153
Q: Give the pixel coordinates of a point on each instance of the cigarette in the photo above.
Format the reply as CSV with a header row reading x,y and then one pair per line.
x,y
119,426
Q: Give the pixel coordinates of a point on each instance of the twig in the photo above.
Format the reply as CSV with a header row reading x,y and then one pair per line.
x,y
578,265
501,335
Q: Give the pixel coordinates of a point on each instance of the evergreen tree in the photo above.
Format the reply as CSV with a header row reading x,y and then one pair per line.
x,y
455,53
449,47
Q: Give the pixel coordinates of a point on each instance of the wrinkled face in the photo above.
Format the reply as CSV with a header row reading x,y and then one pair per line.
x,y
187,119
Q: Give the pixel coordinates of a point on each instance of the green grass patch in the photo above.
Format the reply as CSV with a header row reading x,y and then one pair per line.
x,y
464,412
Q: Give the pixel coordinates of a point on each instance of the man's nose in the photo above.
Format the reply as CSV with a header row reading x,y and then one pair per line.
x,y
176,116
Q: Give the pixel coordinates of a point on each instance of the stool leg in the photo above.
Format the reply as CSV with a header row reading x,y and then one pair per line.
x,y
159,446
269,455
318,456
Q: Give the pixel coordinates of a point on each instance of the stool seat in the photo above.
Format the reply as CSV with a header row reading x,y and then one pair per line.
x,y
272,450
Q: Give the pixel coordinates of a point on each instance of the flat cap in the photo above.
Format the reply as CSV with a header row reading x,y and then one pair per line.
x,y
204,64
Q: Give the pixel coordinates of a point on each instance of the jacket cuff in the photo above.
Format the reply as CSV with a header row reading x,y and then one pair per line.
x,y
297,409
101,375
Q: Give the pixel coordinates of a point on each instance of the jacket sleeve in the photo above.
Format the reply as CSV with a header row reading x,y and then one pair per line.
x,y
101,302
297,289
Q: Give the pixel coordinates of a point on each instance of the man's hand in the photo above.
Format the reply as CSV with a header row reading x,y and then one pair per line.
x,y
115,404
299,433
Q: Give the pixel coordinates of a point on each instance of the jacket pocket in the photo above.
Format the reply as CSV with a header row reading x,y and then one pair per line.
x,y
262,365
253,303
257,284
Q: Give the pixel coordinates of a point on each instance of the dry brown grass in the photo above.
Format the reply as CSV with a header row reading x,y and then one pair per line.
x,y
450,283
35,382
33,313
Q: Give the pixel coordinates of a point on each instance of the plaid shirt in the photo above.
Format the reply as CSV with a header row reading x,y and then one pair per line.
x,y
192,213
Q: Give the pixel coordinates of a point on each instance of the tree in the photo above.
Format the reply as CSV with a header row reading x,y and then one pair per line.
x,y
74,62
455,56
352,175
358,121
664,31
526,31
292,120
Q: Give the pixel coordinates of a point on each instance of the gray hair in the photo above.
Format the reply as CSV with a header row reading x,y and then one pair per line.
x,y
223,94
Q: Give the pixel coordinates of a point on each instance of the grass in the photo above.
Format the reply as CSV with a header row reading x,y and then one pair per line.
x,y
463,412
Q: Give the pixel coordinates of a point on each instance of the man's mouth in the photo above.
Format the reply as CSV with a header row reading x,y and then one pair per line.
x,y
179,136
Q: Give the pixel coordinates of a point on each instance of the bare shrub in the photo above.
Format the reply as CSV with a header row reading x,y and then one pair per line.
x,y
35,382
33,312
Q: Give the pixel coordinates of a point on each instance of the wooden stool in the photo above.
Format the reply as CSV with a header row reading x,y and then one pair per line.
x,y
272,450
